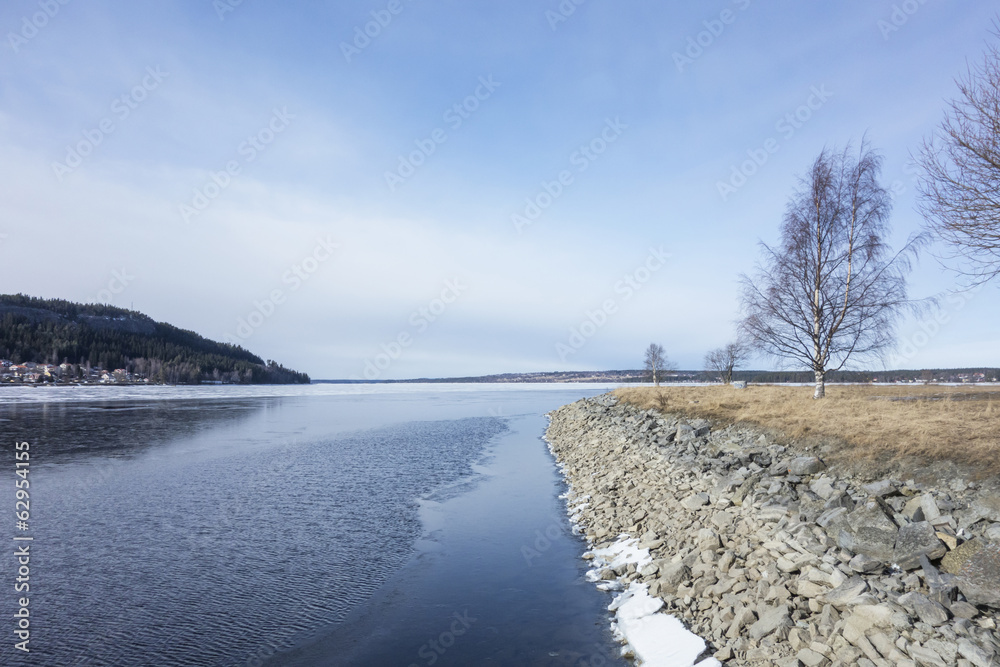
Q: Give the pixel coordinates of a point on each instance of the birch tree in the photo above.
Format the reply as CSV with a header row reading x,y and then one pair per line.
x,y
724,360
832,289
656,361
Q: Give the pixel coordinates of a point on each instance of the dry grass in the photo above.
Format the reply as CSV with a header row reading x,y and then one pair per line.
x,y
934,423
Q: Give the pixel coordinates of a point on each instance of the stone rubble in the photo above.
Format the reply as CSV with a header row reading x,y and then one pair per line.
x,y
774,559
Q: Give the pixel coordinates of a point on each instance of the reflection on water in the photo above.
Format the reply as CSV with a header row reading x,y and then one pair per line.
x,y
223,531
188,556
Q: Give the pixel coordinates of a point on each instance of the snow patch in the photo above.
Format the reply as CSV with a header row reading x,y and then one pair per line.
x,y
656,639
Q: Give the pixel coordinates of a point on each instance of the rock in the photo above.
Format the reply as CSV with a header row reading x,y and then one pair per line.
x,y
943,587
673,575
929,611
743,618
832,518
772,513
708,540
926,657
808,589
840,499
913,541
864,618
950,541
987,507
976,566
912,509
745,488
963,610
823,487
695,501
870,530
880,488
770,621
811,658
929,507
684,433
954,560
975,654
805,465
866,564
848,593
723,520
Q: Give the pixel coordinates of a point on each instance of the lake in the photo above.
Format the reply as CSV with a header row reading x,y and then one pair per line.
x,y
308,525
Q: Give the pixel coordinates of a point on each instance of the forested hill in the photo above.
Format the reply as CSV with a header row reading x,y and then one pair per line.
x,y
52,331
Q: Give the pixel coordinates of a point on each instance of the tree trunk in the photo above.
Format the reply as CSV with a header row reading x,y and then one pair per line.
x,y
820,384
656,381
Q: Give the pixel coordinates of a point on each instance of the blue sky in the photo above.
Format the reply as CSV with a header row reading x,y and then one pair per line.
x,y
466,189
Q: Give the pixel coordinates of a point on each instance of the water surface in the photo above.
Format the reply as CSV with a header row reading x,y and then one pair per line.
x,y
194,527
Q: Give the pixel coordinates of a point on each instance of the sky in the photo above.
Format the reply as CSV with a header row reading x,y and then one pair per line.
x,y
390,189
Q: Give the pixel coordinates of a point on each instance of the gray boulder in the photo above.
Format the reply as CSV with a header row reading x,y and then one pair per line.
x,y
673,575
987,507
805,465
976,566
927,610
870,530
847,594
770,621
915,540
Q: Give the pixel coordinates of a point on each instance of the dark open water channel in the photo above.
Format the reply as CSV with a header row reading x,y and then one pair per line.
x,y
322,527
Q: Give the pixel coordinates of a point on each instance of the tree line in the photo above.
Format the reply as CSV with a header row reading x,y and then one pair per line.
x,y
86,336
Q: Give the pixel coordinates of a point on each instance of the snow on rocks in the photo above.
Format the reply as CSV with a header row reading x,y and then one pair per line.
x,y
727,544
656,639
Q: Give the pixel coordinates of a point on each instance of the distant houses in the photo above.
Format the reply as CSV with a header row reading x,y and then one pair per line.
x,y
34,373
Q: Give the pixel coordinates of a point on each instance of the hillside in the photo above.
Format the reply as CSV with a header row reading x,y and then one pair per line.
x,y
88,336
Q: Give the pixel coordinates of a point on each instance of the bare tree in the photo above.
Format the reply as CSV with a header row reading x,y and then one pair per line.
x,y
960,180
656,361
724,360
832,289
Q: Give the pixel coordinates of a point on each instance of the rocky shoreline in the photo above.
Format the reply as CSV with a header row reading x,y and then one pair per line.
x,y
774,558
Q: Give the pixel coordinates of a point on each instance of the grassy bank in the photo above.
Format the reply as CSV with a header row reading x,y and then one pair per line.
x,y
960,424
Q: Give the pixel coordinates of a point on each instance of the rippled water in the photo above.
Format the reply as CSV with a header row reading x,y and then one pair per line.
x,y
225,531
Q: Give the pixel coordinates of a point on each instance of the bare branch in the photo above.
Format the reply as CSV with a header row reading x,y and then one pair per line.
x,y
959,185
